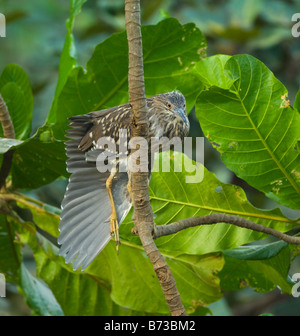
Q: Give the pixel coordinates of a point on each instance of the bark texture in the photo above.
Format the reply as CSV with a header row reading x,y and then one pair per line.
x,y
143,215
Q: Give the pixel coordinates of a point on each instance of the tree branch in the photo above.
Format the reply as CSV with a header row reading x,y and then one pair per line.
x,y
214,218
143,215
7,125
8,132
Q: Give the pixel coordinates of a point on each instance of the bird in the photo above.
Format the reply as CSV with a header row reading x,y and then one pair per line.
x,y
96,202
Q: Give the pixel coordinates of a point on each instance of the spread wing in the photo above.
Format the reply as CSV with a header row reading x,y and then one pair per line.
x,y
86,210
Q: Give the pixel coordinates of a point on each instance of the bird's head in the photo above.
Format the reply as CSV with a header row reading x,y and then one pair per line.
x,y
174,101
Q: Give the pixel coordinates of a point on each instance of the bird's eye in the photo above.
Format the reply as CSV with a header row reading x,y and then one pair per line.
x,y
169,105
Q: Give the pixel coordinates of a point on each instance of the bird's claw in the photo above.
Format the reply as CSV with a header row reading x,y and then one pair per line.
x,y
114,230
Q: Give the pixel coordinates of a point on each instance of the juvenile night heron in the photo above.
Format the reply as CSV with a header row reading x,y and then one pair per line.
x,y
96,203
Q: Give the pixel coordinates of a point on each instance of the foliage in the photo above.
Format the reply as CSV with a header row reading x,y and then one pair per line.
x,y
243,110
251,105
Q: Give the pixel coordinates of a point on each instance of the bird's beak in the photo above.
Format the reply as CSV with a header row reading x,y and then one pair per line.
x,y
181,112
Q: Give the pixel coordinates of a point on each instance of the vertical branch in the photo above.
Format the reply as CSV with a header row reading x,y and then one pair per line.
x,y
143,215
8,132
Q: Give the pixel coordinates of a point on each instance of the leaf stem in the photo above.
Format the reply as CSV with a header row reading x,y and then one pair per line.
x,y
28,202
16,218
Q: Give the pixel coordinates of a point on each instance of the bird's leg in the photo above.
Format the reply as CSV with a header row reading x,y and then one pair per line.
x,y
114,226
129,187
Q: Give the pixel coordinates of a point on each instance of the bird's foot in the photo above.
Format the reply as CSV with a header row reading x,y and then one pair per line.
x,y
134,230
114,230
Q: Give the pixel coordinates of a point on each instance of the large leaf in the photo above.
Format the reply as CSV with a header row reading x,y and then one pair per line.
x,y
192,254
9,252
46,217
257,252
125,280
173,199
261,267
249,120
104,85
131,269
36,163
168,61
131,280
41,159
37,295
134,283
77,293
16,91
38,160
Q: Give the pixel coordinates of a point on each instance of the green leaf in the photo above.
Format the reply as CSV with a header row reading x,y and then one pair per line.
x,y
46,217
168,62
212,72
7,144
76,293
269,270
36,163
9,251
128,279
41,159
131,268
16,91
256,252
253,127
68,56
297,101
172,199
100,290
38,296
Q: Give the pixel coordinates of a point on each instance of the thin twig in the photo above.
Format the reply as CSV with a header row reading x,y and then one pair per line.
x,y
143,215
214,218
19,220
7,125
8,132
29,203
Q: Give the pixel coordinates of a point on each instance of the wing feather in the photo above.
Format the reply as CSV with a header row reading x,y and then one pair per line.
x,y
86,210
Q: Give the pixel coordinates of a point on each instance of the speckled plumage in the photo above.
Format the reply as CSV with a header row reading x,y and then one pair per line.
x,y
84,226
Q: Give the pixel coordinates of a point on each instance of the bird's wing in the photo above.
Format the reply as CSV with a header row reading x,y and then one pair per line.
x,y
86,210
105,123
